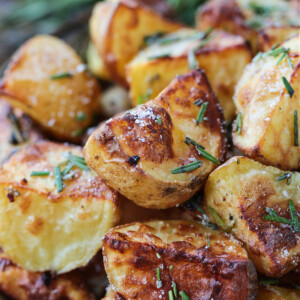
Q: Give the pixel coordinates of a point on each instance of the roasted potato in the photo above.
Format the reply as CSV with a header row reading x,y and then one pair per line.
x,y
53,222
203,263
270,36
262,23
46,79
16,131
241,193
268,130
118,30
271,292
223,58
110,294
21,284
136,152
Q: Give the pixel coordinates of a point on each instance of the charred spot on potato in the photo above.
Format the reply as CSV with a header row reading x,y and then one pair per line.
x,y
47,278
133,160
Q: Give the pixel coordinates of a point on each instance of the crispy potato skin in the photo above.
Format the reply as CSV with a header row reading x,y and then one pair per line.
x,y
239,191
223,59
21,284
226,15
52,231
7,145
52,103
270,36
161,147
114,25
271,292
130,257
267,133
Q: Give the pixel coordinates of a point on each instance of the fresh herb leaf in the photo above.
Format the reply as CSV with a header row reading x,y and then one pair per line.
x,y
288,87
143,98
188,168
277,219
208,241
296,133
158,120
184,296
171,267
281,58
158,273
61,75
151,39
271,211
40,173
18,136
201,113
289,62
158,56
239,123
192,61
174,287
217,217
284,176
294,216
201,151
257,57
198,102
78,161
171,296
158,255
58,179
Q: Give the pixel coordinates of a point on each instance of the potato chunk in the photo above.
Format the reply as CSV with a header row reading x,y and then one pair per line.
x,y
271,292
16,131
135,152
46,79
242,192
118,31
21,284
43,229
267,110
223,57
143,260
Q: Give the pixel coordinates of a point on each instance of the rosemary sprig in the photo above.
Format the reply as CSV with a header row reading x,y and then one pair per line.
x,y
78,161
18,136
39,173
183,295
296,133
158,281
217,217
58,179
288,87
201,150
158,56
171,296
198,102
61,75
284,176
294,216
192,61
151,39
239,123
201,113
174,287
188,168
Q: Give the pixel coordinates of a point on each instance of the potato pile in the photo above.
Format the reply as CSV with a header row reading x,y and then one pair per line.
x,y
178,179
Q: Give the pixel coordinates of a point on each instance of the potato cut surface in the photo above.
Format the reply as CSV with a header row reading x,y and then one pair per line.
x,y
242,192
43,229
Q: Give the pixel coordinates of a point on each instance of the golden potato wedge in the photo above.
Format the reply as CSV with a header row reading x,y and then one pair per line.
x,y
240,193
16,131
46,79
135,152
262,23
203,263
118,30
223,59
21,284
271,292
226,15
45,226
268,129
270,36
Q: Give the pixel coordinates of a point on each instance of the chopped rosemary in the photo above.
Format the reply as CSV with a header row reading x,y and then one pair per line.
x,y
203,43
151,39
289,62
61,75
184,296
257,57
58,179
158,281
143,98
267,281
158,273
208,241
239,123
67,169
78,161
78,132
294,216
81,116
284,176
281,58
296,133
164,55
171,267
188,168
39,173
288,87
192,61
17,134
217,217
158,255
201,113
201,151
171,296
174,287
198,102
158,120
